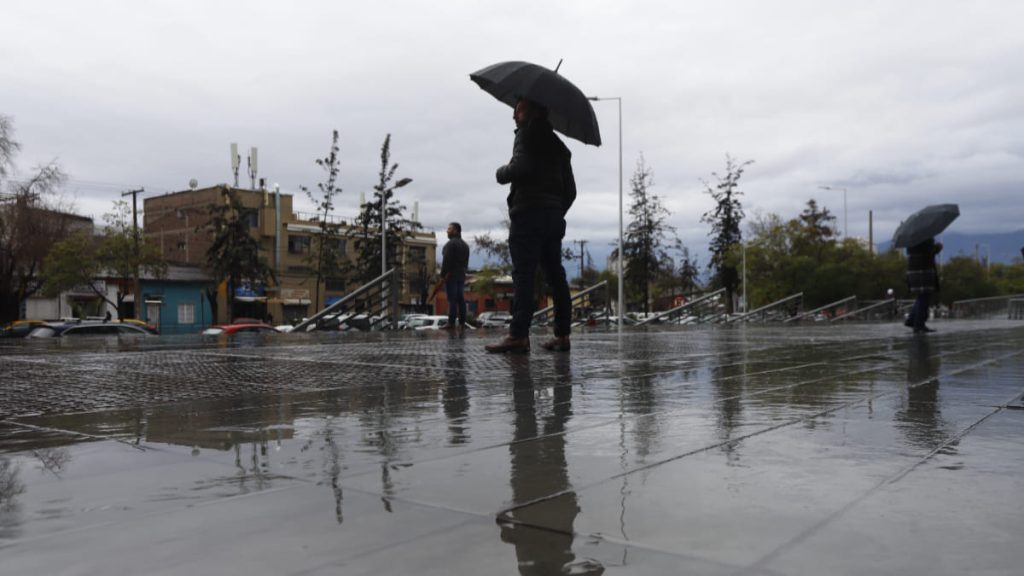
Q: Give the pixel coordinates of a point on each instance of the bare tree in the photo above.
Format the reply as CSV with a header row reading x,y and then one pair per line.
x,y
29,224
326,256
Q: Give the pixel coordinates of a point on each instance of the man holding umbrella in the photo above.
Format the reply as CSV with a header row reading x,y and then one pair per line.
x,y
917,234
542,188
922,279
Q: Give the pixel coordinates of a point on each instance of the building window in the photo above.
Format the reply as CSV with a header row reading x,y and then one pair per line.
x,y
298,244
335,284
339,246
418,254
186,313
251,217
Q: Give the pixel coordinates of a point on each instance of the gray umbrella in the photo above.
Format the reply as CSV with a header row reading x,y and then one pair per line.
x,y
569,110
924,224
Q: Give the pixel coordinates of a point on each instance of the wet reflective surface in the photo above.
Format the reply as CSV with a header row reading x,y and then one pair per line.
x,y
739,450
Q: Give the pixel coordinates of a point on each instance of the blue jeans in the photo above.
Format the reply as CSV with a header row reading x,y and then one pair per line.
x,y
535,238
454,289
919,312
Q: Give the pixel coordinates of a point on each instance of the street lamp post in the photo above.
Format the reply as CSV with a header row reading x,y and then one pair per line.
x,y
846,230
384,223
622,255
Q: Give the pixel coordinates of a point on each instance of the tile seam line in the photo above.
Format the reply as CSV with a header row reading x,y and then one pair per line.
x,y
899,475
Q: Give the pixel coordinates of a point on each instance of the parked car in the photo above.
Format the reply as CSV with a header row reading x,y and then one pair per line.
x,y
494,319
88,328
138,322
20,328
240,328
403,322
428,322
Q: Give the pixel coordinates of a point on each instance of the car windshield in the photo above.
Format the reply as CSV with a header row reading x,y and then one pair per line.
x,y
43,332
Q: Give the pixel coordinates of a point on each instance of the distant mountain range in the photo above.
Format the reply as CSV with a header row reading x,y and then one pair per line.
x,y
1004,248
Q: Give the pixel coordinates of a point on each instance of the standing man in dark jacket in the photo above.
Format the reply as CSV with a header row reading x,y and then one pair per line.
x,y
923,280
455,261
541,192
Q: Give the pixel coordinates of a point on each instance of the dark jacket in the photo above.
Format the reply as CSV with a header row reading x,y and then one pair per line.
x,y
540,171
455,261
922,275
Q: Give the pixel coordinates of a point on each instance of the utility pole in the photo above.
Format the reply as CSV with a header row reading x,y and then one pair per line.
x,y
583,262
137,288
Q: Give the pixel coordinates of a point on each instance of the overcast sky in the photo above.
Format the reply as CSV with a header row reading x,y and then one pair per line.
x,y
902,103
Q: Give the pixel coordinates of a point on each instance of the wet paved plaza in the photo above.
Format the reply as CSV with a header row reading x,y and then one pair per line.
x,y
856,449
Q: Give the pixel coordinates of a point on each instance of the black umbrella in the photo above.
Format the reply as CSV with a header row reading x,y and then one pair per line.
x,y
569,110
924,224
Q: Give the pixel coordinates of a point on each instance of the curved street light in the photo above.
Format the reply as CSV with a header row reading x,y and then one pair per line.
x,y
846,230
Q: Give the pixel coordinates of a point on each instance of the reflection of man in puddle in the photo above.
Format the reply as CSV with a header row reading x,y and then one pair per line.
x,y
543,534
455,398
921,417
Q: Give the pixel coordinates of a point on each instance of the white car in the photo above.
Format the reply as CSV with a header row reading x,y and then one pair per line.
x,y
494,319
428,322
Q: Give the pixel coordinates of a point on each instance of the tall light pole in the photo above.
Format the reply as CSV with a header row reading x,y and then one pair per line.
x,y
846,230
384,223
622,255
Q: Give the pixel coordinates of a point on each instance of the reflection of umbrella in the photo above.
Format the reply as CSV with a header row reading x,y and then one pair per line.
x,y
924,224
569,110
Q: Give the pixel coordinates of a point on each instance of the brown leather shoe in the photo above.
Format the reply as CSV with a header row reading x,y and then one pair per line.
x,y
557,344
509,344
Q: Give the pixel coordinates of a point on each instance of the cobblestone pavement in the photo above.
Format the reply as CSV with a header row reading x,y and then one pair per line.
x,y
857,449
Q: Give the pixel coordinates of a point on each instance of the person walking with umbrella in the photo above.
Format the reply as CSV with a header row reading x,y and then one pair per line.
x,y
923,280
917,234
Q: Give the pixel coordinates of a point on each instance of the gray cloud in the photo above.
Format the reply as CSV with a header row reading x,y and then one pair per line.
x,y
902,104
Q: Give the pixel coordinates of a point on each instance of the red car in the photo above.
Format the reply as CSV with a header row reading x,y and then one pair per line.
x,y
239,328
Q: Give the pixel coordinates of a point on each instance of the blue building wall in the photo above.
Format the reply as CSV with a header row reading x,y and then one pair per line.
x,y
171,295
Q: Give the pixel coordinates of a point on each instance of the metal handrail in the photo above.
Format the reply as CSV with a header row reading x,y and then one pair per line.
x,y
682,307
821,308
990,306
364,289
777,303
577,298
860,311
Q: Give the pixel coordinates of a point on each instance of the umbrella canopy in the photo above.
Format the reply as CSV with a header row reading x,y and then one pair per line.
x,y
569,110
924,224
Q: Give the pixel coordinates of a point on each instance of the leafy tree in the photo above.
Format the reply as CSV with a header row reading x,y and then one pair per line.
x,y
326,256
963,278
234,254
686,275
366,233
786,257
82,259
814,230
29,224
725,220
1008,278
646,236
495,248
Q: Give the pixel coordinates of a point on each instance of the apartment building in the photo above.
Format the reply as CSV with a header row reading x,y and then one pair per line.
x,y
177,222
